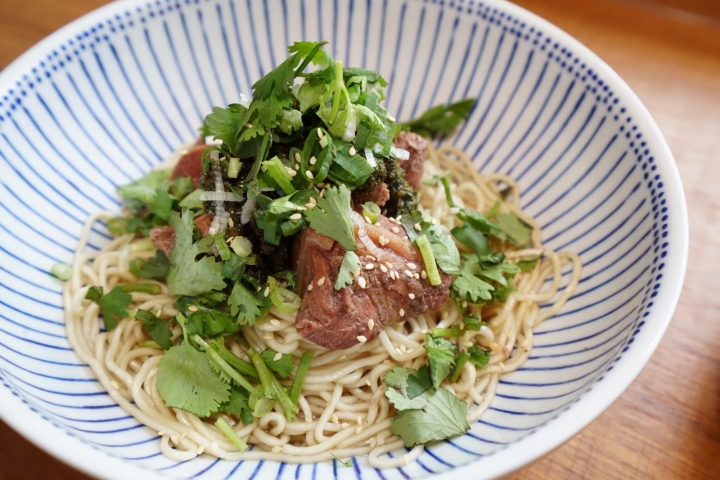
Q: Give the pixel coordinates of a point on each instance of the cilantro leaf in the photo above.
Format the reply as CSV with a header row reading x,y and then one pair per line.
x,y
516,230
238,404
180,187
208,322
441,417
441,118
187,276
479,356
161,204
186,381
350,264
466,286
244,304
225,124
472,238
154,267
441,355
283,367
112,305
156,327
143,191
336,222
528,265
193,200
402,402
473,323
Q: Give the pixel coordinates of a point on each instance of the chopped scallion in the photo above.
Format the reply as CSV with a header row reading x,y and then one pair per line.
x,y
300,375
142,245
371,211
142,287
221,246
62,271
233,167
423,244
459,364
278,172
242,246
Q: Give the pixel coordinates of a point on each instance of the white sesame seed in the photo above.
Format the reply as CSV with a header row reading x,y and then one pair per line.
x,y
433,221
417,277
358,429
334,418
411,265
367,382
367,220
352,151
309,175
309,206
361,338
321,281
291,172
464,304
322,192
468,344
298,158
391,118
266,292
389,265
313,201
249,125
407,272
320,134
296,216
361,282
371,324
377,224
193,308
200,449
402,312
309,287
501,365
175,439
369,266
277,449
371,257
268,336
373,442
162,433
423,274
275,322
383,240
115,385
411,296
398,218
302,209
230,222
406,459
263,168
417,227
398,351
395,230
313,160
344,424
277,357
445,315
403,348
359,419
493,346
383,268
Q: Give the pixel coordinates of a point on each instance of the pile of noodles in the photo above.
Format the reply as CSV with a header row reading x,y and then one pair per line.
x,y
343,411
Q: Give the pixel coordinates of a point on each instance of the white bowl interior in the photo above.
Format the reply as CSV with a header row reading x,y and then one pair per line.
x,y
102,101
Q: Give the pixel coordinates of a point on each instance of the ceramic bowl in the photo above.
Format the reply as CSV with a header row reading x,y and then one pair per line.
x,y
102,100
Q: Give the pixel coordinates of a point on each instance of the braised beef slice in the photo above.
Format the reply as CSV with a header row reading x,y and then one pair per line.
x,y
418,148
164,237
336,318
190,165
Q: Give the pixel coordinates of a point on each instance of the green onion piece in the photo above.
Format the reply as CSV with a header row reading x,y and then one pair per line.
x,y
280,174
371,211
429,259
282,298
273,388
142,287
459,364
300,375
453,332
233,167
62,271
221,246
236,362
241,245
231,372
230,434
118,225
149,344
142,245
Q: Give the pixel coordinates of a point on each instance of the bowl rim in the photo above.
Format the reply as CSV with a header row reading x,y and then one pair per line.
x,y
80,455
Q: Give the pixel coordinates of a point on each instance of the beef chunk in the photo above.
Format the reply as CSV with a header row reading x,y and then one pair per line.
x,y
418,148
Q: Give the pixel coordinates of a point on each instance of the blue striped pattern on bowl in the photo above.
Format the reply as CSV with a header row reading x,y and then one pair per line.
x,y
105,99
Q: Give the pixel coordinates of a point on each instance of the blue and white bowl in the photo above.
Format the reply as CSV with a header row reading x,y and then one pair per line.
x,y
101,101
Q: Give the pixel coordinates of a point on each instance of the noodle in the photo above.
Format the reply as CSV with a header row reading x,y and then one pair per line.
x,y
342,407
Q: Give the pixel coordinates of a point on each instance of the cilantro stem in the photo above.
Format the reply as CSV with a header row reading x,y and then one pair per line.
x,y
309,58
459,364
448,194
231,372
236,362
230,434
339,85
142,287
273,388
429,259
300,375
453,332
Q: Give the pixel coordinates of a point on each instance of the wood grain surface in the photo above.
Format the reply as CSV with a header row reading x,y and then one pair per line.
x,y
667,424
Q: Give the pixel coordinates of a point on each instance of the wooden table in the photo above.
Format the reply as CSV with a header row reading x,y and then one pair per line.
x,y
667,424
